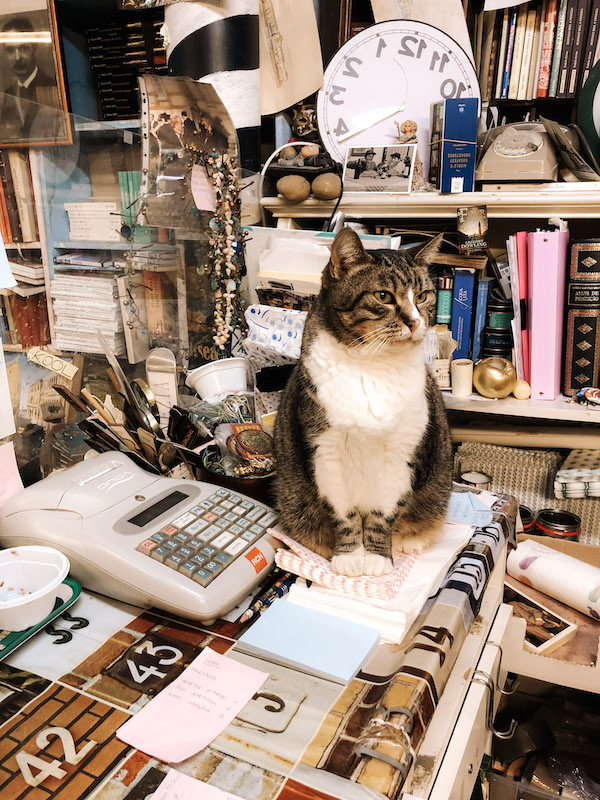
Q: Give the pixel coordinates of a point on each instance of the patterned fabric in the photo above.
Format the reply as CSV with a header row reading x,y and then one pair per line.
x,y
309,565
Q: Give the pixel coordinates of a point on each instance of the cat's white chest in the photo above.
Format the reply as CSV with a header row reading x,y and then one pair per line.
x,y
376,413
372,394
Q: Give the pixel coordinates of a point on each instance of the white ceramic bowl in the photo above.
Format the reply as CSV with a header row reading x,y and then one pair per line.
x,y
29,577
218,378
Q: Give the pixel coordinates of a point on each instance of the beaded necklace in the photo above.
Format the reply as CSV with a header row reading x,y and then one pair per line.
x,y
226,243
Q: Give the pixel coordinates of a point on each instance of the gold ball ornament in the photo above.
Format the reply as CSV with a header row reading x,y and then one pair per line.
x,y
494,377
294,188
326,186
522,390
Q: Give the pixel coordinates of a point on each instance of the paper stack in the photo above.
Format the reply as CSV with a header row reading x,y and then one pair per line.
x,y
154,258
391,617
27,272
84,303
94,221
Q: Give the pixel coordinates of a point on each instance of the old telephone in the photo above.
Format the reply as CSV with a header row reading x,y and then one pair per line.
x,y
519,152
187,547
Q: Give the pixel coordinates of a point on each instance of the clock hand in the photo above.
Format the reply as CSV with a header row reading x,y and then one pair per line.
x,y
369,122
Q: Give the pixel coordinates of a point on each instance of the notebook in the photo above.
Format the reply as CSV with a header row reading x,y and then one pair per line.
x,y
309,641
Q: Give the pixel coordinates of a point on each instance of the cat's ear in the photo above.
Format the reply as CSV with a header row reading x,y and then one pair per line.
x,y
346,252
428,253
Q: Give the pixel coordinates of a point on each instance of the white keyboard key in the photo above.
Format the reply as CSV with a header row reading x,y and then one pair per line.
x,y
183,520
255,513
236,547
268,519
222,540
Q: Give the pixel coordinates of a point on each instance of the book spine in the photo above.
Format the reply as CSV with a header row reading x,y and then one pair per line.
x,y
462,311
583,11
510,45
559,37
536,56
527,54
486,63
581,355
589,56
480,314
547,47
11,201
567,49
21,176
501,55
515,70
490,80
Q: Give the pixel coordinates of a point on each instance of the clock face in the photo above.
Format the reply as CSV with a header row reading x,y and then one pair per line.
x,y
386,74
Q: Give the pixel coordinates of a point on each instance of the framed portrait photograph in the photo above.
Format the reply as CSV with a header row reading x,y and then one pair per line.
x,y
33,99
380,168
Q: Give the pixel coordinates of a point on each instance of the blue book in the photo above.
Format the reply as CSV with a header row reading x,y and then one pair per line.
x,y
483,288
462,311
309,641
512,29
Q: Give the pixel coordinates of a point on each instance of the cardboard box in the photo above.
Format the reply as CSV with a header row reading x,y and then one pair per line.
x,y
453,144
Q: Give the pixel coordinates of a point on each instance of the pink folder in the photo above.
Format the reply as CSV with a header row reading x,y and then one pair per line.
x,y
523,297
547,256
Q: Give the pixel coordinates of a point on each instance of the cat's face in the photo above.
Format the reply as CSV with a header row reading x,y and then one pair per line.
x,y
378,300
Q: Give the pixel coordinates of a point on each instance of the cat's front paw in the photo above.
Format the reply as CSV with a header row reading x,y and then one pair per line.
x,y
411,544
361,563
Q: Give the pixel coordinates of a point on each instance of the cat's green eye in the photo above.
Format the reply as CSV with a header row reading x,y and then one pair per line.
x,y
386,298
421,297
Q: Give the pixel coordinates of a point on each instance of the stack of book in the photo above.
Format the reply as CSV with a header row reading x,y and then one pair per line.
x,y
93,221
119,51
543,48
24,320
153,259
83,304
30,272
18,222
88,259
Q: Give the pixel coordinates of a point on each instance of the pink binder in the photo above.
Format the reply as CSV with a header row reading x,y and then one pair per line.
x,y
547,257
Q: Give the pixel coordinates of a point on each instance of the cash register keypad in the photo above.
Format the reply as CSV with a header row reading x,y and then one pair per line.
x,y
203,541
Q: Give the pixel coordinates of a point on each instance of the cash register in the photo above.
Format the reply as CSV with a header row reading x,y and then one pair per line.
x,y
191,548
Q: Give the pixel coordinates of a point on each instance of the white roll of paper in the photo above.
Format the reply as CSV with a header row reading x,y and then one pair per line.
x,y
567,579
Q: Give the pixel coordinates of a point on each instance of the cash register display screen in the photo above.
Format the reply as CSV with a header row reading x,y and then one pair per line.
x,y
152,512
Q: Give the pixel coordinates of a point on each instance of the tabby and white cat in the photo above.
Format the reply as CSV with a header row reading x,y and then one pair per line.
x,y
362,444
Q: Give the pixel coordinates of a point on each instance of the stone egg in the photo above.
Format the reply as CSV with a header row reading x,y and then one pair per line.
x,y
294,188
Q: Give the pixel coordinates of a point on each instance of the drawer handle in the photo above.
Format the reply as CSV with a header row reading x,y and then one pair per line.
x,y
479,676
514,685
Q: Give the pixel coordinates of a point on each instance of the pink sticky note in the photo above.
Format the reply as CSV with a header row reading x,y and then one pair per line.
x,y
194,709
183,787
203,190
11,480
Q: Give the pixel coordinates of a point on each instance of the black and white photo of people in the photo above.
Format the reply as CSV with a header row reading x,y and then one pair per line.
x,y
379,168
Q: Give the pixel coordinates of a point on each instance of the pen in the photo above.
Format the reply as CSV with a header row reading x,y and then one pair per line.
x,y
276,575
277,590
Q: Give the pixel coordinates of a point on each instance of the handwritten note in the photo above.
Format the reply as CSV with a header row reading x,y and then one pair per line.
x,y
185,788
203,191
466,508
194,709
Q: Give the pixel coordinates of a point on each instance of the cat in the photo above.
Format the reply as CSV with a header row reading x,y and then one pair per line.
x,y
362,445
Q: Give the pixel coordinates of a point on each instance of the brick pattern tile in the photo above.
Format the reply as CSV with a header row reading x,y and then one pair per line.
x,y
83,719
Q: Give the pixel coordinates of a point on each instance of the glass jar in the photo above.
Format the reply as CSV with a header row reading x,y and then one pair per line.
x,y
557,524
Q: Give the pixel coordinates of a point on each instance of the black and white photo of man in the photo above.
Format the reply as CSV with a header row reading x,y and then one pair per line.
x,y
31,104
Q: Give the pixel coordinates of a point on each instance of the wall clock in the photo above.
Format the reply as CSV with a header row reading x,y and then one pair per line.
x,y
387,73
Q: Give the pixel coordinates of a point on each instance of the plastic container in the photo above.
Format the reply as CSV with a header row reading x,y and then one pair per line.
x,y
557,524
527,518
29,578
219,378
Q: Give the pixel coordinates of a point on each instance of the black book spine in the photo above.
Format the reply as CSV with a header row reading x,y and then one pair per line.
x,y
581,357
567,48
581,27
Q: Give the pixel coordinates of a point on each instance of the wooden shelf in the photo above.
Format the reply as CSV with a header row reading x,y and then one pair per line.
x,y
560,409
13,348
156,247
23,246
566,203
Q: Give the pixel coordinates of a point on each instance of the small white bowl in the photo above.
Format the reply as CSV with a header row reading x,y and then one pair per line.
x,y
218,378
29,577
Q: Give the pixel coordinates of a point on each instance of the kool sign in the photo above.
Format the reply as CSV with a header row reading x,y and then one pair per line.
x,y
49,361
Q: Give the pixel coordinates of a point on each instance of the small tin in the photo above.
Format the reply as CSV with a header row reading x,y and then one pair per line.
x,y
479,480
498,339
527,519
557,524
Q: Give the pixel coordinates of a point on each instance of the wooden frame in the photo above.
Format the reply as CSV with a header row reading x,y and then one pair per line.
x,y
33,97
545,630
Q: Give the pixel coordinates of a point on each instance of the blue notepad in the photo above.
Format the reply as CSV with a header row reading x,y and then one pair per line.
x,y
310,641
